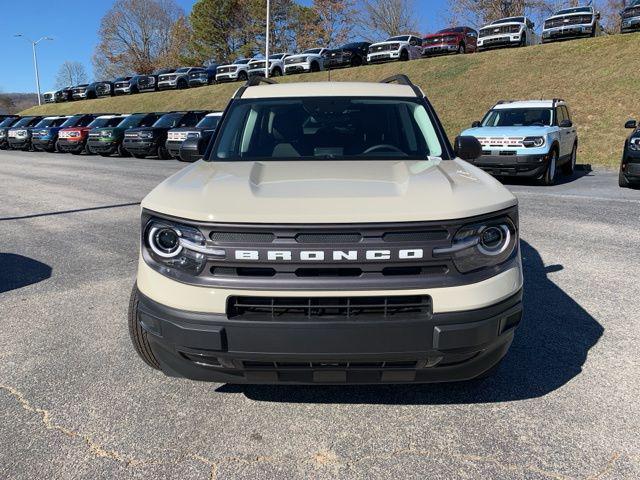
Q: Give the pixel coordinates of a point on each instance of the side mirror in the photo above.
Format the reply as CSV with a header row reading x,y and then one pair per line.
x,y
598,15
632,124
467,148
476,124
191,150
566,124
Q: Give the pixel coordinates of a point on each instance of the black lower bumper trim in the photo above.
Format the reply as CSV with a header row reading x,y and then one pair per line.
x,y
512,165
445,347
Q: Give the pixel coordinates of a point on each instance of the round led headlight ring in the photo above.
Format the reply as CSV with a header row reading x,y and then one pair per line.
x,y
494,239
164,241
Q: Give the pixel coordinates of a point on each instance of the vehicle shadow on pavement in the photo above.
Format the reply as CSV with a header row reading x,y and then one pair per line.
x,y
560,179
17,271
550,348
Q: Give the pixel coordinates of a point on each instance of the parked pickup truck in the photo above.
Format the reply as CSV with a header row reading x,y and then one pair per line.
x,y
207,76
401,47
236,71
508,32
572,23
122,86
178,79
531,138
348,55
330,235
630,21
311,60
450,40
276,65
106,141
147,83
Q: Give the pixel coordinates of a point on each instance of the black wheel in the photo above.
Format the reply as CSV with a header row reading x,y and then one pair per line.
x,y
77,152
277,72
356,61
461,49
138,335
622,180
569,167
163,154
549,176
315,67
404,56
523,41
242,76
182,85
122,152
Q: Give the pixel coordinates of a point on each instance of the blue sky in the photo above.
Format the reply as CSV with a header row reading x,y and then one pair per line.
x,y
75,36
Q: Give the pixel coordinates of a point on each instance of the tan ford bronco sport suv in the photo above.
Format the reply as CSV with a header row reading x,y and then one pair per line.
x,y
330,234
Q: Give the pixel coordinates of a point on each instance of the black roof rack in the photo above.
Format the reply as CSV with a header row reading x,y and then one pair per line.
x,y
402,79
253,82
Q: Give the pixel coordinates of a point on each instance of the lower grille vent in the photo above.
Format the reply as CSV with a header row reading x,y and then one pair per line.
x,y
328,308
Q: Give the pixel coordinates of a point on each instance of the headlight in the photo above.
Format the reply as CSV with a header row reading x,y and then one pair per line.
x,y
175,247
515,29
634,144
347,53
145,135
106,133
193,135
482,245
531,142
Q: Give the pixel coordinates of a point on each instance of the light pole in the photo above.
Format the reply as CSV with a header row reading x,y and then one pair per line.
x,y
266,69
35,60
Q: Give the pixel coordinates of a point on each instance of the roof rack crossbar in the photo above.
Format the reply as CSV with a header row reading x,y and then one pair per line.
x,y
257,80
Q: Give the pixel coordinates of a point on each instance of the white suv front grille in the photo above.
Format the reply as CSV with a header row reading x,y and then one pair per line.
x,y
501,142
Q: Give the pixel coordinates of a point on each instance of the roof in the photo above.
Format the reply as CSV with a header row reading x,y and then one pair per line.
x,y
527,104
329,89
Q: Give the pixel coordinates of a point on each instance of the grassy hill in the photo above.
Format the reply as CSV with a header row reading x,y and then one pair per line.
x,y
597,77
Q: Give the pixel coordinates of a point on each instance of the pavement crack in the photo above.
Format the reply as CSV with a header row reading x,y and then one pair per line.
x,y
47,420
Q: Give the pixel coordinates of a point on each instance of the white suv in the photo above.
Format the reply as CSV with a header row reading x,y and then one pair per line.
x,y
572,23
238,70
508,32
276,65
401,47
311,60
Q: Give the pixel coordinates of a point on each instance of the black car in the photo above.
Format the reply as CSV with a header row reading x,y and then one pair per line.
x,y
6,123
79,92
147,83
150,141
19,135
64,95
203,130
630,165
45,139
121,86
108,140
204,77
99,89
349,55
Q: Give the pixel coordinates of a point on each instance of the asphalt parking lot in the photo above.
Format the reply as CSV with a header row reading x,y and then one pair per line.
x,y
76,401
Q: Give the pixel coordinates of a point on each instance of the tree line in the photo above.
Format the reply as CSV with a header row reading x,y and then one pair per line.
x,y
140,36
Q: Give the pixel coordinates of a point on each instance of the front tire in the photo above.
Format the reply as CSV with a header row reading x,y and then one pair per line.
x,y
622,180
549,176
138,334
163,154
242,76
461,49
122,152
315,67
523,41
356,61
404,56
277,72
570,167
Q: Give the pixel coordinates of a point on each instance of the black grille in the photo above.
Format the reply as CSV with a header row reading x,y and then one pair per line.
x,y
329,238
328,308
572,20
242,237
346,365
426,236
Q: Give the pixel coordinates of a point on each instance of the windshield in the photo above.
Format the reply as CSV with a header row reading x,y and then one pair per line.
x,y
331,128
169,120
401,38
182,70
134,121
242,62
7,122
105,122
24,121
277,56
313,50
50,122
509,20
518,117
567,11
209,122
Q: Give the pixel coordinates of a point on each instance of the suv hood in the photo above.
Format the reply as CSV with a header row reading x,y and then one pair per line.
x,y
575,14
401,42
329,192
439,35
505,24
506,131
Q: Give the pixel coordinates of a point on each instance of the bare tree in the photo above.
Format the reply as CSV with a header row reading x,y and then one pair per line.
x,y
611,14
480,12
387,18
137,36
335,22
71,73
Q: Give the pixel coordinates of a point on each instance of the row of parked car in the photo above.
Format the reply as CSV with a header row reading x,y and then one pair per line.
x,y
569,23
158,134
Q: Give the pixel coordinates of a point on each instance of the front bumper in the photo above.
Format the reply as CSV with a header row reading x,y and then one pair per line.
x,y
122,91
227,77
65,145
102,146
259,72
499,41
198,82
168,85
566,33
297,68
383,57
439,49
512,165
43,143
80,96
445,347
19,143
173,147
140,147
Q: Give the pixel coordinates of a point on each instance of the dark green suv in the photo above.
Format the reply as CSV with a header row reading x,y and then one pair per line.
x,y
108,140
